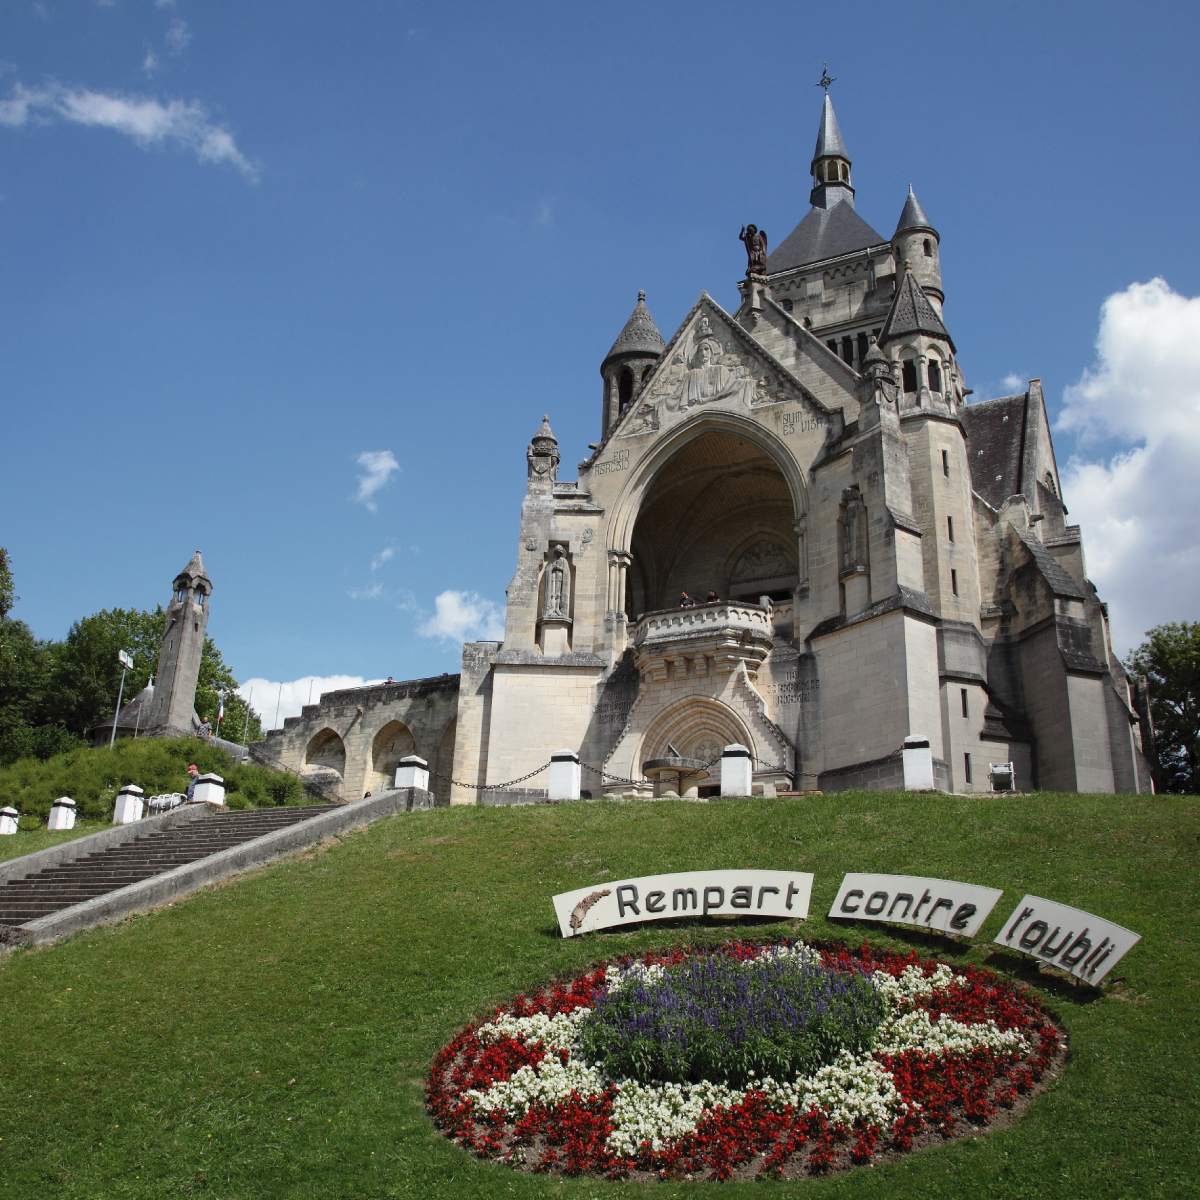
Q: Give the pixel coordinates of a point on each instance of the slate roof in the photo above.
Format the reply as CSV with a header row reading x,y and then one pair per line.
x,y
912,313
823,233
913,216
996,446
829,136
1056,576
640,335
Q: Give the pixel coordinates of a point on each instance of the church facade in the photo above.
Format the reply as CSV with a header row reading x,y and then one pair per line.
x,y
871,558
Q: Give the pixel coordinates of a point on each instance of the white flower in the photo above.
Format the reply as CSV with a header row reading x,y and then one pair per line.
x,y
560,1032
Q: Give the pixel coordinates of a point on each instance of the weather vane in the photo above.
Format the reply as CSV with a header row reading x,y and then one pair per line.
x,y
825,79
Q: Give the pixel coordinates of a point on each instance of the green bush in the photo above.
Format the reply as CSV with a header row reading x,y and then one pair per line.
x,y
92,778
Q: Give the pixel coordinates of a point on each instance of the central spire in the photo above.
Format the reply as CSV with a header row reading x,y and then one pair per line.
x,y
831,163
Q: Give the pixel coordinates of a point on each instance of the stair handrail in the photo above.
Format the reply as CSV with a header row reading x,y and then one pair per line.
x,y
311,786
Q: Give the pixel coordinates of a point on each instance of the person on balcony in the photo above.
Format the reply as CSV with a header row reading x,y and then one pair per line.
x,y
685,601
713,598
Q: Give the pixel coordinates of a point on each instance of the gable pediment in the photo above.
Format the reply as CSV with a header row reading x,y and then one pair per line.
x,y
712,362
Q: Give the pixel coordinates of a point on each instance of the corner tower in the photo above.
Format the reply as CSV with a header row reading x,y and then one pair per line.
x,y
630,361
916,241
830,164
179,658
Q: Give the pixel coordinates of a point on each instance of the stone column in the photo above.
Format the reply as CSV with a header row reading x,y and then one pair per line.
x,y
210,789
8,821
413,772
62,814
128,807
918,763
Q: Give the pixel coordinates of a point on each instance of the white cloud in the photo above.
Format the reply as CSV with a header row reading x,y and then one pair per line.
x,y
266,695
178,36
1138,507
150,63
379,466
464,617
148,122
1013,383
373,591
545,212
383,556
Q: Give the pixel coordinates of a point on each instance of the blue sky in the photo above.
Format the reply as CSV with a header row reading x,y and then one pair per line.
x,y
245,244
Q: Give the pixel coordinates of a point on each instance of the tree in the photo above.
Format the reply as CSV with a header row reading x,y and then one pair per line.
x,y
7,599
1170,660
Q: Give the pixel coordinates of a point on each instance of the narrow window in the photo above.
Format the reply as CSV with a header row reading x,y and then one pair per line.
x,y
846,172
646,372
833,346
928,248
954,581
820,172
950,527
935,376
863,346
967,767
966,710
625,387
910,375
787,306
946,464
848,349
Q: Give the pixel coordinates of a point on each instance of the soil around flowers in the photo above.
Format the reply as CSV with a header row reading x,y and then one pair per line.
x,y
961,1053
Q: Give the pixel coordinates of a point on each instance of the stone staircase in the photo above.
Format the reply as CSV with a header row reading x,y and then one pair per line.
x,y
82,879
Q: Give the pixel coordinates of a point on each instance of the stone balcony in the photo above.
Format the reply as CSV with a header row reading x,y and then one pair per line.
x,y
710,639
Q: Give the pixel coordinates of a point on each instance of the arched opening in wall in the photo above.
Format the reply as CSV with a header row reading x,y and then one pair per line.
x,y
718,515
625,387
325,758
697,728
392,743
444,765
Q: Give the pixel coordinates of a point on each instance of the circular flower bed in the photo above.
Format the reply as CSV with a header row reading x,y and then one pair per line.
x,y
745,1060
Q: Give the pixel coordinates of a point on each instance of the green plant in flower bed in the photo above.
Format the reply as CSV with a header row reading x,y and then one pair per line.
x,y
717,1018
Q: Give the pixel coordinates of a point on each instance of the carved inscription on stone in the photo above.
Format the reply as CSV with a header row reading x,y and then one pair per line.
x,y
801,422
618,462
791,690
613,710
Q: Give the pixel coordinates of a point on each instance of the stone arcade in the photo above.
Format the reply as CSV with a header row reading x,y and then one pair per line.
x,y
890,560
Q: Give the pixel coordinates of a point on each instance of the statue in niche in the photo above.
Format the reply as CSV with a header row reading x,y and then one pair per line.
x,y
558,585
755,240
854,530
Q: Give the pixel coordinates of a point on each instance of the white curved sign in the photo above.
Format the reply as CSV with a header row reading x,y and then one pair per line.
x,y
686,893
941,904
1079,942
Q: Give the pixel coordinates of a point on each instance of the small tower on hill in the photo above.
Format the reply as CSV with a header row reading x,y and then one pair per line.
x,y
179,658
629,363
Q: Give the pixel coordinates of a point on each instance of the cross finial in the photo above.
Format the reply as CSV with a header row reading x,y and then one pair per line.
x,y
826,79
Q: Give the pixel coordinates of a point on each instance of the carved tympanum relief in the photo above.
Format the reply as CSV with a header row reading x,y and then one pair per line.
x,y
704,370
764,560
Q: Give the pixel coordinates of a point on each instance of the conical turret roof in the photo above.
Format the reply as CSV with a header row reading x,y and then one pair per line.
x,y
545,434
912,313
829,136
913,216
640,335
194,569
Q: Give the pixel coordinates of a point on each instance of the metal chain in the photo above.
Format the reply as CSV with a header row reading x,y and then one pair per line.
x,y
488,787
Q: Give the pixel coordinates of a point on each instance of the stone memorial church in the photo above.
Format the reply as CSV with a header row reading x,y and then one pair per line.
x,y
795,533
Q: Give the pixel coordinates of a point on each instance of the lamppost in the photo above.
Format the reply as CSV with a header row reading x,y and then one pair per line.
x,y
126,661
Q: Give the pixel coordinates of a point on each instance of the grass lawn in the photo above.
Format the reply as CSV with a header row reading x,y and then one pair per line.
x,y
26,841
270,1037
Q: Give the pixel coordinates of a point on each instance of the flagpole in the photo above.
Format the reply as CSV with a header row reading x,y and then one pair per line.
x,y
246,730
278,701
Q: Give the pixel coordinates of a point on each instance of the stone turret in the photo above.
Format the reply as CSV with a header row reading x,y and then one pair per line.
x,y
174,697
629,363
916,340
543,458
916,241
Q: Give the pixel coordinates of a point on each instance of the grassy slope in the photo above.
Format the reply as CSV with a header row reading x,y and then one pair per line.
x,y
26,841
270,1037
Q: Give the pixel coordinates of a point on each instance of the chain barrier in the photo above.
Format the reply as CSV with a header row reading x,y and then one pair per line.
x,y
489,787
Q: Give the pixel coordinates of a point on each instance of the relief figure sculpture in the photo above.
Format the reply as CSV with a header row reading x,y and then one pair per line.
x,y
557,586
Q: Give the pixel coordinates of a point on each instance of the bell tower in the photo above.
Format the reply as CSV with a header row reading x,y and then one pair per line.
x,y
179,657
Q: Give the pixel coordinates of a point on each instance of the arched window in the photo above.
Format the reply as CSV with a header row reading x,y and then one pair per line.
x,y
846,172
625,387
819,173
928,248
909,372
935,375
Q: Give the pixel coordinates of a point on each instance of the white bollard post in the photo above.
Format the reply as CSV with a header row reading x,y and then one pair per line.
x,y
918,763
737,771
210,789
62,814
128,807
413,772
565,775
8,821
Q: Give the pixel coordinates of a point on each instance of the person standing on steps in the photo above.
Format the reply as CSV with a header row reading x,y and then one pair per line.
x,y
193,775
